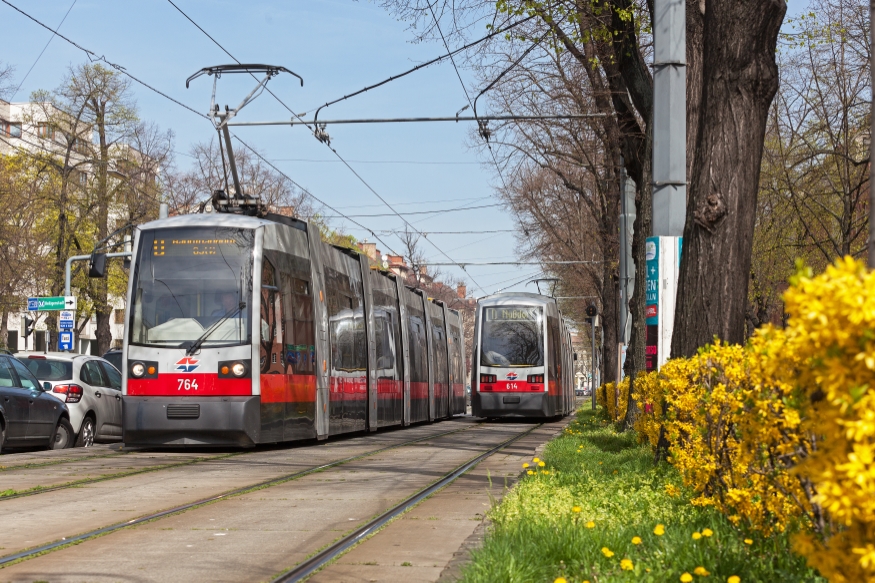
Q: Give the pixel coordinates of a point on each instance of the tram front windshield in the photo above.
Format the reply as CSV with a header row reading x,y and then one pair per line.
x,y
512,336
192,282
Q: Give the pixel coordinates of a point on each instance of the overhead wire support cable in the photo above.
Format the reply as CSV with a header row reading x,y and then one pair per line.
x,y
448,55
323,137
478,119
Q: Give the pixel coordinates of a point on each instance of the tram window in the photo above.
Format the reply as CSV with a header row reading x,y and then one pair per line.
x,y
512,336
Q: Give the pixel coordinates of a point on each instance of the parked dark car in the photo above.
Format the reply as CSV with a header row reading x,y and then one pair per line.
x,y
30,416
114,357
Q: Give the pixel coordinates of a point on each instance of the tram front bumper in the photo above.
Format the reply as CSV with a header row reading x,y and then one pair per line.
x,y
191,421
511,404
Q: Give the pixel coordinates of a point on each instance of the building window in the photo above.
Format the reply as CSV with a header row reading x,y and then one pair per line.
x,y
45,131
10,129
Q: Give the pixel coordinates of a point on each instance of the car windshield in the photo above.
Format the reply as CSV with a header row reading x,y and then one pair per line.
x,y
46,369
188,279
512,336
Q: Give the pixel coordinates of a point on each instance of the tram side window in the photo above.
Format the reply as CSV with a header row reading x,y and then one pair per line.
x,y
298,333
417,350
385,353
272,360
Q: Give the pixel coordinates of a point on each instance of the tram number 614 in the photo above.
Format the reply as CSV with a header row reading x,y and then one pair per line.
x,y
187,384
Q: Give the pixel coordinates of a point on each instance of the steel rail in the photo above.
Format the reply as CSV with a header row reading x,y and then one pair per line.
x,y
64,542
293,122
320,559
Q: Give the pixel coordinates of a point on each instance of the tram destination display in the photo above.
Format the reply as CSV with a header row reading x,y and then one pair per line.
x,y
513,314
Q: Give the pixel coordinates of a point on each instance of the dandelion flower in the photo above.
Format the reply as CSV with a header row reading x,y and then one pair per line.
x,y
541,464
659,530
536,460
707,532
701,571
697,535
530,472
734,579
748,541
590,524
636,540
560,580
525,465
576,509
686,578
626,565
607,552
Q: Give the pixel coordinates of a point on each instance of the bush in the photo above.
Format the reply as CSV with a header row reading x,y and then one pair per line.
x,y
782,431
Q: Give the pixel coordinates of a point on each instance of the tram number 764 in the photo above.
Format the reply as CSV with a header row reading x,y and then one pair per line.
x,y
187,384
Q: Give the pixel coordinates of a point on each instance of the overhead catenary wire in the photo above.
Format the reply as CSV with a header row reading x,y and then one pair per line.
x,y
94,57
334,151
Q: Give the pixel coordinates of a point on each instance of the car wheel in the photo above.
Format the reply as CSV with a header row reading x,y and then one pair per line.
x,y
64,436
86,433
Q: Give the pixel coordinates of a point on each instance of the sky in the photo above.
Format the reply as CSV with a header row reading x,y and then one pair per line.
x,y
337,46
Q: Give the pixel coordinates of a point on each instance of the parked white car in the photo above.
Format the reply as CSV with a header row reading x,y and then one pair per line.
x,y
91,388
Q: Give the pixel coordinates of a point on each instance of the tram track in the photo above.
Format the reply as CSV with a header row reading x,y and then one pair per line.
x,y
64,542
371,528
33,491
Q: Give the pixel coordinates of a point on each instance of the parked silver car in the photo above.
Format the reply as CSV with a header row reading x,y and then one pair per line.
x,y
91,388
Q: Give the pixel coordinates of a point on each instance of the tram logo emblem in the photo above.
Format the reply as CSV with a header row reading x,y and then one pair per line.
x,y
511,376
187,364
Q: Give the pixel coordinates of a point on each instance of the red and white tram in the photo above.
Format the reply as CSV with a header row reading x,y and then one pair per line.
x,y
523,360
246,330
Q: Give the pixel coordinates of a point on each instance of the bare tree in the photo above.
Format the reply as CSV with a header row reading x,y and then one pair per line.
x,y
6,86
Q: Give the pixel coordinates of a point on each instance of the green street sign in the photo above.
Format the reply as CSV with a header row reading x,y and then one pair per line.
x,y
51,303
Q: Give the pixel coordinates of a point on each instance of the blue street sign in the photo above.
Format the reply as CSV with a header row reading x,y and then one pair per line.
x,y
32,304
66,341
65,324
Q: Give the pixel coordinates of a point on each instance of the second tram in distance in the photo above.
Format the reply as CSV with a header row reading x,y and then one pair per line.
x,y
523,360
247,330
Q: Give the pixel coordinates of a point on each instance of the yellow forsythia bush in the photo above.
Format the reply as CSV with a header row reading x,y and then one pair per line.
x,y
612,403
782,430
832,332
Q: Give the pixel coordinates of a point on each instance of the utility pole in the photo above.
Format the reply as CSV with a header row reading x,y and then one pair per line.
x,y
670,118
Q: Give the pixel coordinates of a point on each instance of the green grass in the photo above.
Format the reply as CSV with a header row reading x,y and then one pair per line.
x,y
537,536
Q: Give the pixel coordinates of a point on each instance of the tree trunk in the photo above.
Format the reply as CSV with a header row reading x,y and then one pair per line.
x,y
4,330
610,281
739,80
102,309
642,226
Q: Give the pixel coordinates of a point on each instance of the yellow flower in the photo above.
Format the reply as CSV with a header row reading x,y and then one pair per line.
x,y
530,472
590,524
707,532
560,580
701,571
734,579
525,465
607,552
686,578
659,530
748,541
626,565
576,509
536,460
636,540
697,535
541,464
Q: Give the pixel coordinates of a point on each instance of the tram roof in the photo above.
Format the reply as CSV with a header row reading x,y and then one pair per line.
x,y
511,297
208,220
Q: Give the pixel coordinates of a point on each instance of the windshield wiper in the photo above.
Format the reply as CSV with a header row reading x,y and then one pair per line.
x,y
197,343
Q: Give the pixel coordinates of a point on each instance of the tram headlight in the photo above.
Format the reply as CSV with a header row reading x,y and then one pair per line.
x,y
138,370
235,369
239,369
